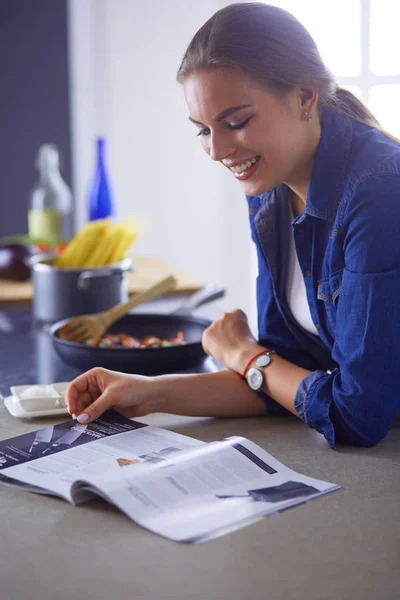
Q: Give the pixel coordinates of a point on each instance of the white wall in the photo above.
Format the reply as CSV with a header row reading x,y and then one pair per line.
x,y
124,58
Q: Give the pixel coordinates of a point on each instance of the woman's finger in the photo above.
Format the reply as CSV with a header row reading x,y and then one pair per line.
x,y
83,390
104,402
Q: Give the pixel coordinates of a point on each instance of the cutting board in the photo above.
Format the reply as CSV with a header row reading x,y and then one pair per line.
x,y
148,270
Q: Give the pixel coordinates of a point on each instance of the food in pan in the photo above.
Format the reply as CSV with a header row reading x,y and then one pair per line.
x,y
123,340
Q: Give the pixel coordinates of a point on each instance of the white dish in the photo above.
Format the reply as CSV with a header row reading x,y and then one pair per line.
x,y
12,405
50,397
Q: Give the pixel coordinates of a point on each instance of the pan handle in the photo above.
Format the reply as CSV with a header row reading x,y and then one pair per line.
x,y
207,294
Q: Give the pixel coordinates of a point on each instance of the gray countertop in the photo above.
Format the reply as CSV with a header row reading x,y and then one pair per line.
x,y
343,545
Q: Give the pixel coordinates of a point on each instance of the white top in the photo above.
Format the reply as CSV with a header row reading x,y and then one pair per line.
x,y
296,289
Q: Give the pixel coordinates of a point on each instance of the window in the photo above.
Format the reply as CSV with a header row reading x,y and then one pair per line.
x,y
358,40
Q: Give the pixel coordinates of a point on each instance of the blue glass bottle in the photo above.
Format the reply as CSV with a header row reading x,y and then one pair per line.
x,y
101,203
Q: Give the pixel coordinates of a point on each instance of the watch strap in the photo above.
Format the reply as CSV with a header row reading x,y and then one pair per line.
x,y
265,351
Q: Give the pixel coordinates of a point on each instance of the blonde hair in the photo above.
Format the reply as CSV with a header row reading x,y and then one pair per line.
x,y
271,46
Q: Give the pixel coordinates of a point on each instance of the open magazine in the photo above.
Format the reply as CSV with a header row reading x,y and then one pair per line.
x,y
176,486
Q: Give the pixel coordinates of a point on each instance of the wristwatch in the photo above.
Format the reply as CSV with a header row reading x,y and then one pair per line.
x,y
255,377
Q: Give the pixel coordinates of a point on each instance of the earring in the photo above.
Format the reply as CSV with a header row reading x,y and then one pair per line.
x,y
307,118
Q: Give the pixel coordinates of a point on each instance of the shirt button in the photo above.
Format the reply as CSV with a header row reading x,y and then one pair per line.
x,y
318,327
308,273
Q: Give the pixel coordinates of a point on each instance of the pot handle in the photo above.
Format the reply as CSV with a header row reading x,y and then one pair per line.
x,y
83,282
208,293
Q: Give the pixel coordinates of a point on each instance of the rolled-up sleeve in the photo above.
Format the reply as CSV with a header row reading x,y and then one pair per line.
x,y
309,407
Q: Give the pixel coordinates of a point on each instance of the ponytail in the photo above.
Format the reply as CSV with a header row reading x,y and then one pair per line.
x,y
346,103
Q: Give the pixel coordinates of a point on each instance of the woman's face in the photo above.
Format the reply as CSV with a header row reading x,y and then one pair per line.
x,y
261,137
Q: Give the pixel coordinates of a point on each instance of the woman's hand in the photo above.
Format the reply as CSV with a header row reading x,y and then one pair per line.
x,y
230,341
97,390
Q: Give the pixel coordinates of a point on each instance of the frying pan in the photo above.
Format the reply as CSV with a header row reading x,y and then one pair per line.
x,y
146,361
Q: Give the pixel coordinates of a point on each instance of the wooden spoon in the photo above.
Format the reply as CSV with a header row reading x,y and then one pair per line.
x,y
80,328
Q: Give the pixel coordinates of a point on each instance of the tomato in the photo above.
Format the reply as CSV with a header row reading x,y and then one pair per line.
x,y
59,248
43,247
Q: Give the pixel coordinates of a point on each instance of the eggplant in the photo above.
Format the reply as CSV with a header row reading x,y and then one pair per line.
x,y
14,262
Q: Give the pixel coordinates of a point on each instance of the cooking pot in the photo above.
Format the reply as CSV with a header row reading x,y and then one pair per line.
x,y
62,293
146,361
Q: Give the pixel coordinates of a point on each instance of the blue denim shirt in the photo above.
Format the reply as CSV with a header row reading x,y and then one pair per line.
x,y
348,246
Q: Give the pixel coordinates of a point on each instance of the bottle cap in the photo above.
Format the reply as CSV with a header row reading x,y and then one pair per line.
x,y
47,157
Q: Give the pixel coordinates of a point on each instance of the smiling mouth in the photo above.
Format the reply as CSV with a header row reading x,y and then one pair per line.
x,y
246,169
247,164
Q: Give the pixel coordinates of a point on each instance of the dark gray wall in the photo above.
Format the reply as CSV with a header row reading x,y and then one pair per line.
x,y
34,104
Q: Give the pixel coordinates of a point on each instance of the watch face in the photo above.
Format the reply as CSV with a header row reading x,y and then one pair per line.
x,y
255,379
263,360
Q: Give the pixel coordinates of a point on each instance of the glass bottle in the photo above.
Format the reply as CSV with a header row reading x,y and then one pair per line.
x,y
50,211
101,203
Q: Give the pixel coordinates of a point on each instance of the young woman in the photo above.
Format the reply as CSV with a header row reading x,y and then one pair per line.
x,y
322,181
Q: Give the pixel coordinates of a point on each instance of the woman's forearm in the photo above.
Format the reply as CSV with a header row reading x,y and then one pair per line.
x,y
225,394
281,377
281,381
230,341
221,394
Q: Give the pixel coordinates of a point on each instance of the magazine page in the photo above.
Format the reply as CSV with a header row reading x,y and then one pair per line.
x,y
208,491
51,459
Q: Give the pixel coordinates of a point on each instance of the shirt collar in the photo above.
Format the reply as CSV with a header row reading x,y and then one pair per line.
x,y
330,166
